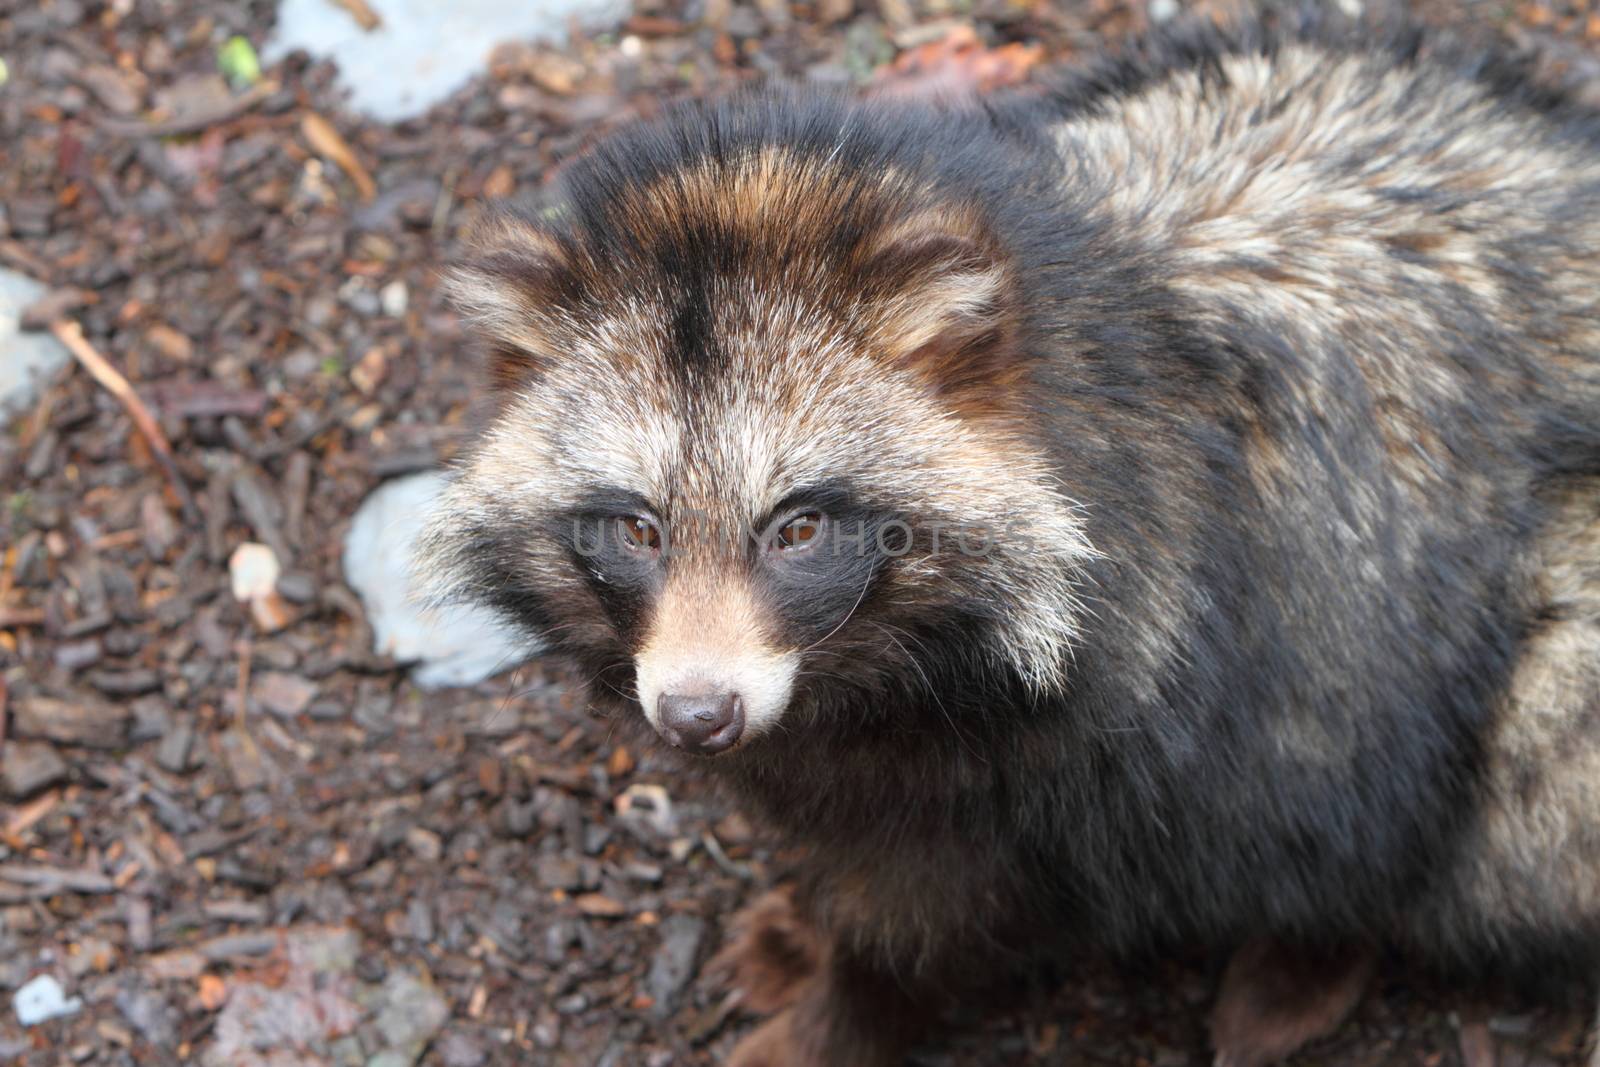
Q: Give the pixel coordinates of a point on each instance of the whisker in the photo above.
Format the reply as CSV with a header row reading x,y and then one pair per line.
x,y
889,631
862,596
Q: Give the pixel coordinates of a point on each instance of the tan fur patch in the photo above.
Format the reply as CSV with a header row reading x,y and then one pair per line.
x,y
1535,864
1262,222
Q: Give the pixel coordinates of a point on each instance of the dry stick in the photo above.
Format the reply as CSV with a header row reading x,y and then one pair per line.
x,y
242,691
70,334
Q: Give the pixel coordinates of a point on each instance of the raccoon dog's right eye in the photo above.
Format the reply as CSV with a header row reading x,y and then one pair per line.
x,y
798,532
639,533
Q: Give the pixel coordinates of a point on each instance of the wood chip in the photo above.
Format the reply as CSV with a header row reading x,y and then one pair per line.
x,y
25,817
196,399
51,880
26,768
89,723
176,966
201,119
213,992
600,906
169,342
1477,1045
15,617
246,765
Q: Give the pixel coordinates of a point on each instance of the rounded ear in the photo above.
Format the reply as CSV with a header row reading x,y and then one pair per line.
x,y
945,307
507,286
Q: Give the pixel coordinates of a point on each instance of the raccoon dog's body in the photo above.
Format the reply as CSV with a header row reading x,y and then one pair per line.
x,y
1260,378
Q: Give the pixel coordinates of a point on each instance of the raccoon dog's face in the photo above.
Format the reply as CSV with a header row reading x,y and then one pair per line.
x,y
759,454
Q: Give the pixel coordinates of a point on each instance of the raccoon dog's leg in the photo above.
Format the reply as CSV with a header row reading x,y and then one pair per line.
x,y
771,952
1594,1037
1274,999
1527,872
849,1014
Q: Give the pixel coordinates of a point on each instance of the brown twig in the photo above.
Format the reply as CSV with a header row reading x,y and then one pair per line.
x,y
327,141
70,334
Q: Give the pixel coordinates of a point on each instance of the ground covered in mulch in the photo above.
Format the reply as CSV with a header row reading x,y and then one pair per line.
x,y
239,837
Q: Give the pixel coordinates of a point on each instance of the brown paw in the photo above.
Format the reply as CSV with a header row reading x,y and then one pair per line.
x,y
770,953
771,1044
1274,1000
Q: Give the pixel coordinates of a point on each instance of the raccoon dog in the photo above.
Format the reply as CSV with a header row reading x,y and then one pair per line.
x,y
1163,510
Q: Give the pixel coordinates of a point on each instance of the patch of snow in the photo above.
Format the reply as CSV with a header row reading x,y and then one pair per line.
x,y
424,50
453,646
25,358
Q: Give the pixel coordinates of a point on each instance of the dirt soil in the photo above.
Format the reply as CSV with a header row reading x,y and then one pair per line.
x,y
238,837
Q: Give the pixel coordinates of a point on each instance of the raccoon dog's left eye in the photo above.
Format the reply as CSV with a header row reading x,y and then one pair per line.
x,y
799,532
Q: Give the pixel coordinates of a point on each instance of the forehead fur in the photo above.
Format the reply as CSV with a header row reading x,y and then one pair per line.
x,y
803,198
750,318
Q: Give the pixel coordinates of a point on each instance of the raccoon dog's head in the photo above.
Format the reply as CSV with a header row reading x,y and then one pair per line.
x,y
761,451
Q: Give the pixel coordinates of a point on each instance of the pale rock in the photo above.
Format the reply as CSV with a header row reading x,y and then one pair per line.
x,y
450,646
394,298
253,571
25,358
424,50
43,999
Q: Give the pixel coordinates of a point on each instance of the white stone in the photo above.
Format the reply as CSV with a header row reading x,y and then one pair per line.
x,y
394,298
25,358
42,1000
253,571
648,805
1163,10
451,646
425,49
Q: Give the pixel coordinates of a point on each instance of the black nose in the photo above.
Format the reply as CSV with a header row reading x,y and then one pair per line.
x,y
704,725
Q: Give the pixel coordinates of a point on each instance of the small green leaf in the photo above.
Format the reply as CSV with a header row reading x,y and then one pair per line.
x,y
237,61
